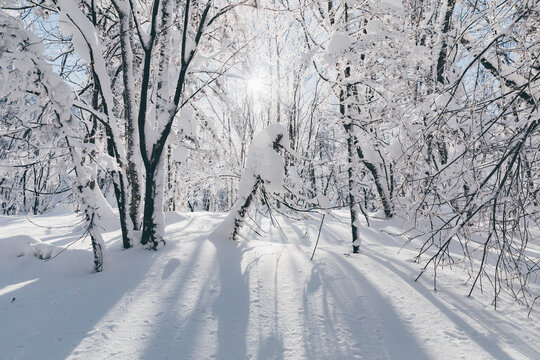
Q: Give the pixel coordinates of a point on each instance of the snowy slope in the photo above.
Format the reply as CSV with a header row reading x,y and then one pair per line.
x,y
257,299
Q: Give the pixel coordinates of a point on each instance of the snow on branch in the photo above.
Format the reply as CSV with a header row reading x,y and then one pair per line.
x,y
86,42
39,75
265,166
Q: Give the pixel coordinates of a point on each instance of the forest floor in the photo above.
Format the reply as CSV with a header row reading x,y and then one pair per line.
x,y
260,298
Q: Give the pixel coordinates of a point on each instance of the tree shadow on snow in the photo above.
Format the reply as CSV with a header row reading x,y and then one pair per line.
x,y
488,343
232,305
185,295
71,301
207,289
366,325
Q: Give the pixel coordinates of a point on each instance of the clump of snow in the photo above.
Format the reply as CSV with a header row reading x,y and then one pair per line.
x,y
265,166
184,128
78,41
370,154
339,42
375,26
265,161
180,153
393,4
25,245
395,150
187,124
323,201
43,251
294,177
18,245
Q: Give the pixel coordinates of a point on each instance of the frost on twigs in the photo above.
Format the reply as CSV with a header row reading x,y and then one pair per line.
x,y
265,167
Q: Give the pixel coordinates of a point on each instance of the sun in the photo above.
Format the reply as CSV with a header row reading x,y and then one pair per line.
x,y
255,85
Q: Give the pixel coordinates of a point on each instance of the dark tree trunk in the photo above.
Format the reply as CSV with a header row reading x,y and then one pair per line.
x,y
120,194
150,236
383,193
96,244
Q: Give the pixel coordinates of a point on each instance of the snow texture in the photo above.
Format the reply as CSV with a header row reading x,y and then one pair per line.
x,y
258,299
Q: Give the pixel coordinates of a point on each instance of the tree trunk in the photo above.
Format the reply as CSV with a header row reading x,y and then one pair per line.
x,y
382,190
344,95
153,223
354,205
97,242
133,157
120,192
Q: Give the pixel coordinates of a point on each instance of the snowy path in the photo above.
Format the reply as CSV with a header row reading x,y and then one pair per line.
x,y
258,299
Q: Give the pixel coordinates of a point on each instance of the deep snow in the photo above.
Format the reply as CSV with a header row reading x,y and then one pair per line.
x,y
250,299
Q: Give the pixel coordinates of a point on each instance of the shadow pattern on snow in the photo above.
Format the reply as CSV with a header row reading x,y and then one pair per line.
x,y
489,343
365,317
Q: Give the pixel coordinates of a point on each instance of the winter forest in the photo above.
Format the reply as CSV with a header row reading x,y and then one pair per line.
x,y
296,165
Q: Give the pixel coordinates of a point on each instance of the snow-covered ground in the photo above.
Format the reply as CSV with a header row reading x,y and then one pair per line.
x,y
256,299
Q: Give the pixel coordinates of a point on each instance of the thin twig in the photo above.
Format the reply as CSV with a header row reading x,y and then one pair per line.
x,y
318,236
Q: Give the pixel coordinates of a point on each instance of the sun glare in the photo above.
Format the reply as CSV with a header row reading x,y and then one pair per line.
x,y
255,85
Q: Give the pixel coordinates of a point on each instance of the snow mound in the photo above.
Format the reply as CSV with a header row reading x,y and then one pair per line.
x,y
23,245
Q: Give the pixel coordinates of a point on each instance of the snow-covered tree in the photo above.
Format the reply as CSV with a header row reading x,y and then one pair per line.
x,y
137,86
33,82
